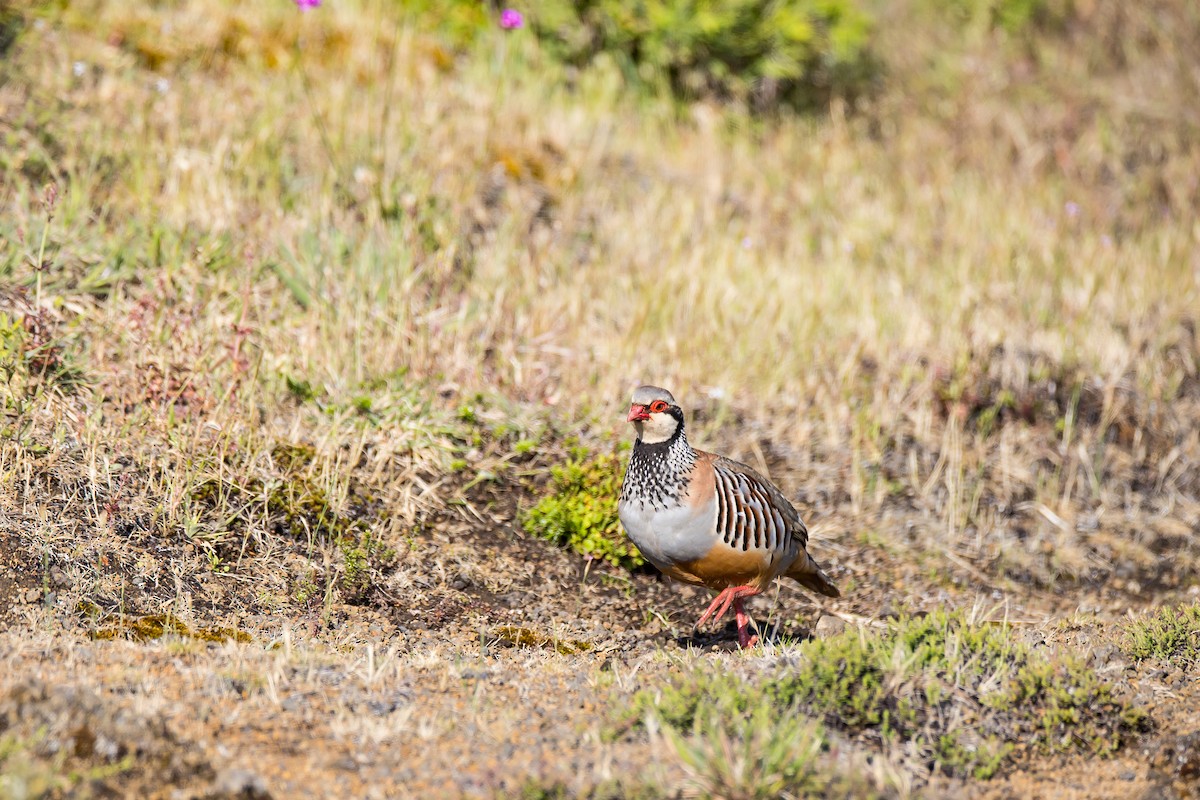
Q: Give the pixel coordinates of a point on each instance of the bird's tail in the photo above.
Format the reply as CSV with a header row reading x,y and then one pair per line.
x,y
809,575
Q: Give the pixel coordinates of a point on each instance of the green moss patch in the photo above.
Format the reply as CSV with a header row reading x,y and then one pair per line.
x,y
581,510
1171,635
515,636
151,627
965,693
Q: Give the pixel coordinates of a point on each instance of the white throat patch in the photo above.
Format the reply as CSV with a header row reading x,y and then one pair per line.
x,y
659,428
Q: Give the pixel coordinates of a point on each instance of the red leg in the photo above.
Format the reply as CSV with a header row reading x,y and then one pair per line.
x,y
720,604
744,638
721,600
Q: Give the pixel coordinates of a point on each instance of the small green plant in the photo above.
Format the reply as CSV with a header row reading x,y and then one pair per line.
x,y
363,556
1064,705
768,754
766,52
300,509
907,681
1170,635
29,768
301,389
581,510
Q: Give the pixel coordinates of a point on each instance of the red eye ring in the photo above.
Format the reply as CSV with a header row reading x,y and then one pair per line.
x,y
658,406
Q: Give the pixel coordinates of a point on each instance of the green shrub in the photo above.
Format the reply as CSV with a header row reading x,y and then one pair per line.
x,y
911,681
765,52
460,22
1171,635
762,756
1064,705
1012,16
581,510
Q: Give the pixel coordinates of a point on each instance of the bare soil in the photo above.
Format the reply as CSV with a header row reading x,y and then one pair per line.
x,y
503,665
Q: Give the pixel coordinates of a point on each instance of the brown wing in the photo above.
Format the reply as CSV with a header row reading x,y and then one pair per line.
x,y
780,520
753,514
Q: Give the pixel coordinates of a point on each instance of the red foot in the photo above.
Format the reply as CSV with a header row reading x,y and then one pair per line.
x,y
720,605
744,638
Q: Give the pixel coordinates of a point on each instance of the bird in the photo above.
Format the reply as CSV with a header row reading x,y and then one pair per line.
x,y
708,520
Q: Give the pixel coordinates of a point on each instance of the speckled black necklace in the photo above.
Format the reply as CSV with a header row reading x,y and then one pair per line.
x,y
658,473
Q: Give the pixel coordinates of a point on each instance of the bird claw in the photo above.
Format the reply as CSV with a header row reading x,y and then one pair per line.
x,y
731,596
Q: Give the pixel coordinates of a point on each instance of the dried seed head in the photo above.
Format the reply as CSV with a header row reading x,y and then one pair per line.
x,y
50,197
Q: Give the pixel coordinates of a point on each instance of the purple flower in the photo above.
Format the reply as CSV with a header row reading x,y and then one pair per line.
x,y
1072,210
511,18
305,5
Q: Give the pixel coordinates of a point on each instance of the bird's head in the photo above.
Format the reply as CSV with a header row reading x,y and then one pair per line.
x,y
654,414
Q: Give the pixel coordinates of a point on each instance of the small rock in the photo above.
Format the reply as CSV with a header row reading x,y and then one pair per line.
x,y
1128,775
31,595
380,708
828,626
1032,637
240,784
1103,654
294,702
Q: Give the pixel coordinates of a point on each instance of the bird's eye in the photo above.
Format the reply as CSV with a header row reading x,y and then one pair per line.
x,y
658,406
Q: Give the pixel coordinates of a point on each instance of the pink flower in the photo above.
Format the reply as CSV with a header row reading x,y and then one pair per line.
x,y
511,18
305,5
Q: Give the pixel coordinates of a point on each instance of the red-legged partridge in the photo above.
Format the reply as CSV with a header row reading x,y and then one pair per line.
x,y
707,520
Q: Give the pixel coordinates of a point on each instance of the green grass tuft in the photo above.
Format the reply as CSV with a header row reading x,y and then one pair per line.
x,y
1171,635
766,754
581,510
910,681
794,53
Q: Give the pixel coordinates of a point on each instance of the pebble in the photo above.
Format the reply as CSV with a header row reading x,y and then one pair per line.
x,y
243,784
294,702
1032,637
828,626
1107,658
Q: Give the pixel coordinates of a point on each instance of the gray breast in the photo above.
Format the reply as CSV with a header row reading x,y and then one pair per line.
x,y
672,534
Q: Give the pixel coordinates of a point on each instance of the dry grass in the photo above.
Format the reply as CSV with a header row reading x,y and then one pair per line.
x,y
316,301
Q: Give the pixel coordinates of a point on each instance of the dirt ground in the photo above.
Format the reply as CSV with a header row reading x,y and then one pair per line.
x,y
452,688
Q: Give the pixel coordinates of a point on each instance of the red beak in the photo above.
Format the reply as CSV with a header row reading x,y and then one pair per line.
x,y
637,413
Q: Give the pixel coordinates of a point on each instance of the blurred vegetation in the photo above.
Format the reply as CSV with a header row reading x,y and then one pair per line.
x,y
764,52
765,755
911,680
1013,16
1169,635
581,510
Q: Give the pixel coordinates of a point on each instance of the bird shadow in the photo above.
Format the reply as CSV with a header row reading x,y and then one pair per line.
x,y
725,637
